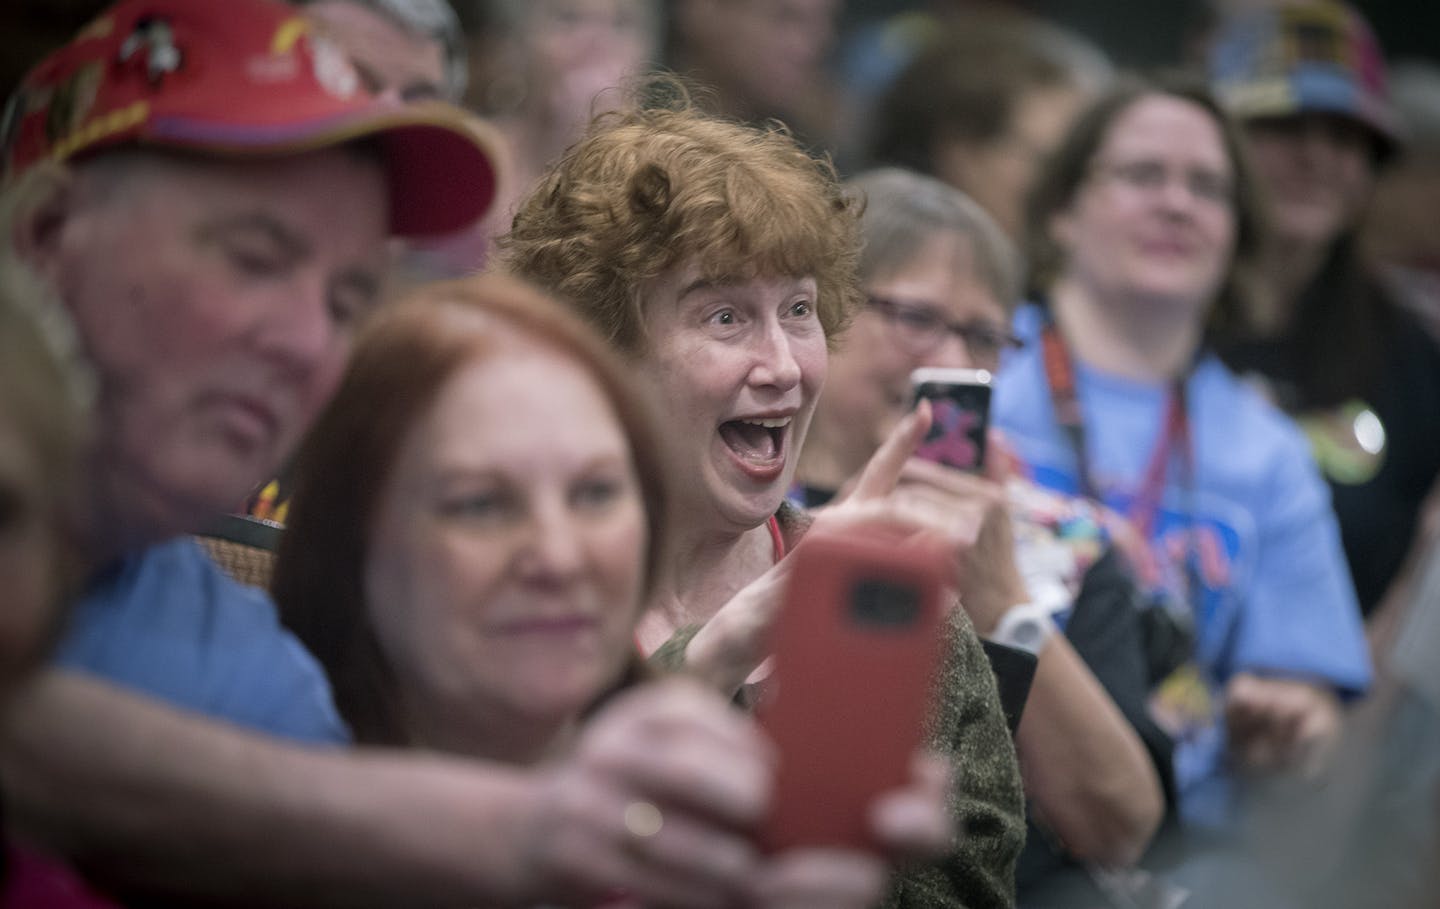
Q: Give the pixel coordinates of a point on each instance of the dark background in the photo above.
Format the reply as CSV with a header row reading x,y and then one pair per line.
x,y
1137,33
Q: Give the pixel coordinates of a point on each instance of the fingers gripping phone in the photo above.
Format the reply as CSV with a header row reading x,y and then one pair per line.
x,y
960,400
856,647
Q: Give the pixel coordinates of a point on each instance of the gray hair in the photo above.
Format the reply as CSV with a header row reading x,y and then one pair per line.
x,y
903,209
432,20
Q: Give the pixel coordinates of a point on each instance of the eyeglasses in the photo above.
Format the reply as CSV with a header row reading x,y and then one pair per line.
x,y
1149,176
921,331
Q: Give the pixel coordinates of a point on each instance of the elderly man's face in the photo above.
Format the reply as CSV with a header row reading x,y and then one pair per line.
x,y
217,300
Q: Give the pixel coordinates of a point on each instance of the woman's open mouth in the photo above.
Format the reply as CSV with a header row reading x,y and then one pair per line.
x,y
757,444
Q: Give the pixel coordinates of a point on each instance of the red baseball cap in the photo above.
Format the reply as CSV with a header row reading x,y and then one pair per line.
x,y
243,78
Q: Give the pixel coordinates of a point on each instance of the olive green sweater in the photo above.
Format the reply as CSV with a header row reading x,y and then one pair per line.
x,y
987,801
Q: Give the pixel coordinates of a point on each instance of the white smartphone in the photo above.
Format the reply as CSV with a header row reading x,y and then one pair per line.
x,y
960,400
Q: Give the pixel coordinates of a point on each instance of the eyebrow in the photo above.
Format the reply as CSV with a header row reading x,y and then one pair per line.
x,y
463,471
700,284
363,280
448,472
258,222
421,90
928,306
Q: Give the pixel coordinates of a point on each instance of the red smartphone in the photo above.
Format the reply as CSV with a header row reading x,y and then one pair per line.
x,y
856,647
960,400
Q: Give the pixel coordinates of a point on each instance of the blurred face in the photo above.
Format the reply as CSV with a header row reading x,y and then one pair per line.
x,y
1317,173
581,48
216,301
389,60
999,174
771,51
868,389
505,562
1153,221
738,368
28,555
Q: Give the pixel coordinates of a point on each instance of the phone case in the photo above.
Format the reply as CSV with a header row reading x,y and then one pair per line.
x,y
856,647
960,401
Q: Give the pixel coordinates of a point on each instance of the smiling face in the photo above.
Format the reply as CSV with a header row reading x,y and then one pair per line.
x,y
868,389
737,368
579,49
505,558
216,301
1154,220
1317,173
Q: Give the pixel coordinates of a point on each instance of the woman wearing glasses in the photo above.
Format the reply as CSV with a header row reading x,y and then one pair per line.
x,y
1141,235
940,278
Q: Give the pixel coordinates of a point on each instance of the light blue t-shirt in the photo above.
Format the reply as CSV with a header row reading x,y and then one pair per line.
x,y
169,623
1275,594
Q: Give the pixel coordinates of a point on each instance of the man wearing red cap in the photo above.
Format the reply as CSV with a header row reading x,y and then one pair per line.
x,y
209,192
217,237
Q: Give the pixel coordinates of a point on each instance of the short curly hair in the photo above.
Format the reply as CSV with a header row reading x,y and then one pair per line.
x,y
650,188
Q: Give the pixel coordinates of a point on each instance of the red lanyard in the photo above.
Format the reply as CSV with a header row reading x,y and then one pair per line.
x,y
1174,434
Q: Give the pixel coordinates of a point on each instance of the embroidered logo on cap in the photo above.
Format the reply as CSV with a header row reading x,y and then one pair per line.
x,y
153,41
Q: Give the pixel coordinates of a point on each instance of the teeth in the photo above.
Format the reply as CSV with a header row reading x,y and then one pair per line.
x,y
777,423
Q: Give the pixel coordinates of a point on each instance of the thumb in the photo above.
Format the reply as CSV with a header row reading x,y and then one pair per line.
x,y
882,471
1001,460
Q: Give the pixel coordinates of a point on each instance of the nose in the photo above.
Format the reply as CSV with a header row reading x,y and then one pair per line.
x,y
953,353
553,552
1319,142
591,37
1176,195
298,335
774,363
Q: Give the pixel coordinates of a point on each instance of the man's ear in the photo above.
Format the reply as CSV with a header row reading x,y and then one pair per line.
x,y
40,206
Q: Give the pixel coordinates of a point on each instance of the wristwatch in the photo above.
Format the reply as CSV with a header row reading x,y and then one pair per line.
x,y
1027,626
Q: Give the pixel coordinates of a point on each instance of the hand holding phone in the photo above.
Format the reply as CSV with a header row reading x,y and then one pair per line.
x,y
960,401
856,646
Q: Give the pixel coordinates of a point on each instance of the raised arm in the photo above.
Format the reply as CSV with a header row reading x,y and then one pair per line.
x,y
165,803
1086,770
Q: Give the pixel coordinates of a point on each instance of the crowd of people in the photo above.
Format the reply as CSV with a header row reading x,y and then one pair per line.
x,y
407,410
